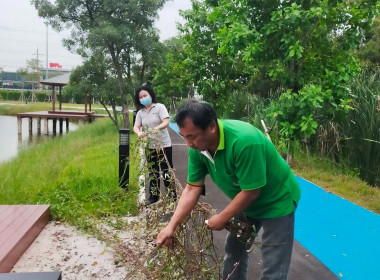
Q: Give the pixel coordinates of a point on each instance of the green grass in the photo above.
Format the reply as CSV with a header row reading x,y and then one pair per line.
x,y
12,108
331,178
77,174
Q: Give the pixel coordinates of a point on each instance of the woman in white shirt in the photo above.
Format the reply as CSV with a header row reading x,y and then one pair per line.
x,y
152,120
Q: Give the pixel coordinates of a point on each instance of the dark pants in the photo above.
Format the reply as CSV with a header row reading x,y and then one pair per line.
x,y
156,160
276,250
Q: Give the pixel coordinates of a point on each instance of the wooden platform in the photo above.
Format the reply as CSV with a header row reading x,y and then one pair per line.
x,y
19,226
57,115
61,115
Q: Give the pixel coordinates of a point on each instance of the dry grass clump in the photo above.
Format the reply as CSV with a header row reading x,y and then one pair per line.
x,y
192,254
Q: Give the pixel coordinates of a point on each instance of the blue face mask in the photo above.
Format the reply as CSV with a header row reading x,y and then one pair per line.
x,y
146,100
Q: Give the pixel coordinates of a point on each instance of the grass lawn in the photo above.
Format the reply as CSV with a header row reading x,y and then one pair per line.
x,y
323,173
77,174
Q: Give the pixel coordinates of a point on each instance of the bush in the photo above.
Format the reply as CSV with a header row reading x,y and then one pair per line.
x,y
361,129
14,95
11,95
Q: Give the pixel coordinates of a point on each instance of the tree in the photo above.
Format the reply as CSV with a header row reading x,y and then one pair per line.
x,y
370,51
305,46
96,78
114,28
151,53
22,72
32,72
214,75
172,80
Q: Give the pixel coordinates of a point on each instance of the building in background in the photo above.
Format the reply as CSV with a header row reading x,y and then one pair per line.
x,y
14,80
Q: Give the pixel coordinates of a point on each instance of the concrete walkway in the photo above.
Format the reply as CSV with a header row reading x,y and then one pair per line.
x,y
304,265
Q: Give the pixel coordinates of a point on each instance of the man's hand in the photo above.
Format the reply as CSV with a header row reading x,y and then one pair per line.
x,y
164,238
217,222
186,203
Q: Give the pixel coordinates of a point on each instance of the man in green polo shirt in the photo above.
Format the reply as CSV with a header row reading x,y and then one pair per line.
x,y
245,165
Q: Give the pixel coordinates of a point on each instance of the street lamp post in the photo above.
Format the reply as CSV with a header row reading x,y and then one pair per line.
x,y
124,158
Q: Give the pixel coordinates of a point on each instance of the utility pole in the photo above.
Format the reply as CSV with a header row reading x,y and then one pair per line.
x,y
47,53
38,67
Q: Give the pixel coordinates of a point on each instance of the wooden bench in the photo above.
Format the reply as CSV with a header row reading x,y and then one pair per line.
x,y
19,226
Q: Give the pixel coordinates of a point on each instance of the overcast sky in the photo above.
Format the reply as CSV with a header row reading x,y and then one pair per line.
x,y
22,33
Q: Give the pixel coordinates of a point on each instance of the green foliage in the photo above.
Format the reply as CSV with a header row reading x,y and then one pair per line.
x,y
32,72
361,128
77,174
121,30
237,50
370,52
95,78
247,107
297,113
294,43
213,75
304,47
10,94
14,95
172,80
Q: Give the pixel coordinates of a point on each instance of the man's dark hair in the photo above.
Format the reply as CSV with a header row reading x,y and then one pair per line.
x,y
136,98
200,112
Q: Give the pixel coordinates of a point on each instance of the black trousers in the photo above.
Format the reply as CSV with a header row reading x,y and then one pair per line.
x,y
156,160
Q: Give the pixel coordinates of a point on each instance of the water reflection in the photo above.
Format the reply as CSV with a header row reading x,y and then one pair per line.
x,y
11,142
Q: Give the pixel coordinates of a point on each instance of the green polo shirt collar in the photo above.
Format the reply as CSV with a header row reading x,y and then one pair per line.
x,y
221,135
220,145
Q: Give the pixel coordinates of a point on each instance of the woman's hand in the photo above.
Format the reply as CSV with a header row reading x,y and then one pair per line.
x,y
141,134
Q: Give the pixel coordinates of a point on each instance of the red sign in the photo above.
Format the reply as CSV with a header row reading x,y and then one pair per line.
x,y
55,65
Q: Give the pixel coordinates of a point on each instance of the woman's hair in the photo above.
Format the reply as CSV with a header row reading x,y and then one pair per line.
x,y
136,99
200,112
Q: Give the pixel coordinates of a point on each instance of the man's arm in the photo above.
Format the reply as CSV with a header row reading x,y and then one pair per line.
x,y
186,204
241,201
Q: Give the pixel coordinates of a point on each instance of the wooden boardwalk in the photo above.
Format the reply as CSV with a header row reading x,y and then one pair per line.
x,y
56,115
19,226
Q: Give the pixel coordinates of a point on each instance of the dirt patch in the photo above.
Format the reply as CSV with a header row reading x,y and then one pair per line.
x,y
60,247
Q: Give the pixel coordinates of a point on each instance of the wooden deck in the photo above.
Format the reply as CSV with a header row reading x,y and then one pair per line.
x,y
57,115
19,226
61,115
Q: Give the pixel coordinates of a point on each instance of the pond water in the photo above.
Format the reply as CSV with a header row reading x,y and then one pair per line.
x,y
11,142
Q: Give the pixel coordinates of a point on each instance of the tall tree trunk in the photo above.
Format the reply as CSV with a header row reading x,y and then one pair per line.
x,y
142,72
129,76
123,98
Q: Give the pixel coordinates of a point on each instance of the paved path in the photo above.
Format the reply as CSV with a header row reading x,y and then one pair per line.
x,y
304,265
